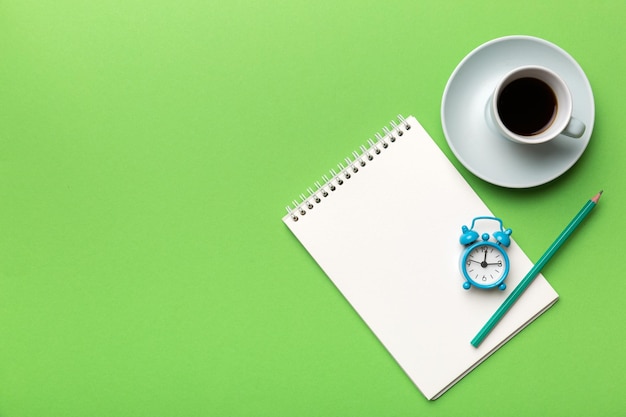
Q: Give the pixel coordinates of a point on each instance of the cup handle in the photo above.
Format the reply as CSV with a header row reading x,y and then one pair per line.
x,y
575,128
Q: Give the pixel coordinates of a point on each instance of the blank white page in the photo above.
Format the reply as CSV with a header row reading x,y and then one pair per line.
x,y
388,238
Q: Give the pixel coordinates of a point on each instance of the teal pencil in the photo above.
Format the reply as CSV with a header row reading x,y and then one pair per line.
x,y
534,271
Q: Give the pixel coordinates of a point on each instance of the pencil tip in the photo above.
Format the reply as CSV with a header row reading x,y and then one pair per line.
x,y
596,198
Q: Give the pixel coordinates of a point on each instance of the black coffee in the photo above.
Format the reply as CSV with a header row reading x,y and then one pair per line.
x,y
527,106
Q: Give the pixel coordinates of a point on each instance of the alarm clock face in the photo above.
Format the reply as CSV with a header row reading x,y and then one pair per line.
x,y
485,264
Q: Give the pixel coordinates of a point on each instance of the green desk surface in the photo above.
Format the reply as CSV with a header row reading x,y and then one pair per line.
x,y
147,152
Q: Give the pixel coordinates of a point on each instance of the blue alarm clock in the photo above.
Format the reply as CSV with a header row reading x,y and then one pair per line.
x,y
484,263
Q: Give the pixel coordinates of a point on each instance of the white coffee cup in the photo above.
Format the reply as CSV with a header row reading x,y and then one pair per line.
x,y
531,105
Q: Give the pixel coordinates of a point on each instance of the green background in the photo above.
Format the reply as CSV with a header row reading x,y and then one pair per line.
x,y
147,152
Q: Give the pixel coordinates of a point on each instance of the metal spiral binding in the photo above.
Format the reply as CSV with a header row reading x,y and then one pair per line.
x,y
359,161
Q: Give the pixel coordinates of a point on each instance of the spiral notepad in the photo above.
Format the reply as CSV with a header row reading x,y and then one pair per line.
x,y
384,227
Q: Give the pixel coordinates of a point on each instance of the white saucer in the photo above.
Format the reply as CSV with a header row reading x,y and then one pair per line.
x,y
486,153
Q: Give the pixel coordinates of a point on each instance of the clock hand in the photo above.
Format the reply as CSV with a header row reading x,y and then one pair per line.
x,y
484,262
